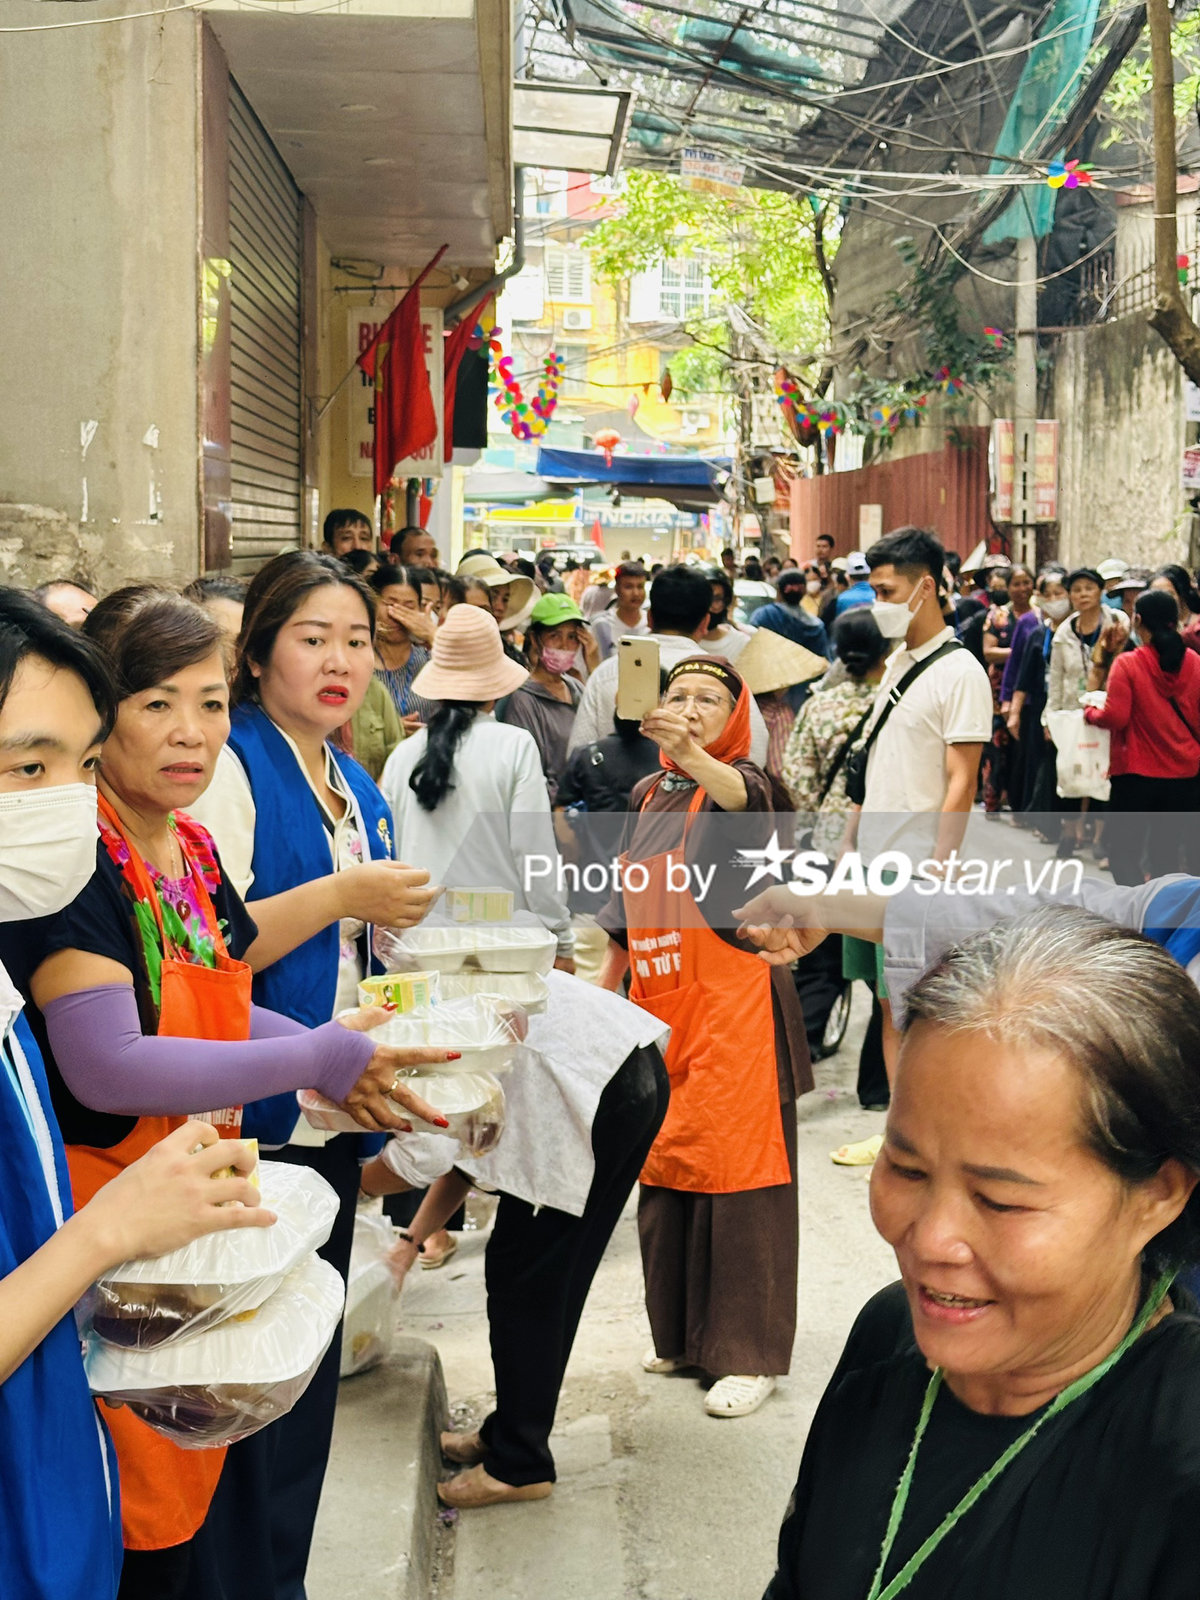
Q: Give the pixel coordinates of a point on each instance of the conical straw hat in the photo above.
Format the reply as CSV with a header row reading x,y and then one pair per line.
x,y
772,662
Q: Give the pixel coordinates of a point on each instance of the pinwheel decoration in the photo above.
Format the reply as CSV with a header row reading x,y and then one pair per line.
x,y
915,407
528,419
1182,264
1068,175
886,417
994,337
947,382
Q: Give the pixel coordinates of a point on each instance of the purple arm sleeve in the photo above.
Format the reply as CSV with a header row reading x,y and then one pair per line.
x,y
110,1065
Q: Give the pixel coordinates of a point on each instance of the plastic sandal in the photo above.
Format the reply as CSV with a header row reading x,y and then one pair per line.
x,y
861,1154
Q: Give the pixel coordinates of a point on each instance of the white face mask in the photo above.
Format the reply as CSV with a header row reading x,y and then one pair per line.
x,y
47,849
814,586
1056,610
893,617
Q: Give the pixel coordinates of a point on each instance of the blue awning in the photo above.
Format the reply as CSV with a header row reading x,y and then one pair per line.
x,y
686,481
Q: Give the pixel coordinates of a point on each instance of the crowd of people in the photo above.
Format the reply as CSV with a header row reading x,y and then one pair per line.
x,y
210,798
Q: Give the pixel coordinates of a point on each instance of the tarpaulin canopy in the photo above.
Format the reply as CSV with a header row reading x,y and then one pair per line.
x,y
689,482
1045,94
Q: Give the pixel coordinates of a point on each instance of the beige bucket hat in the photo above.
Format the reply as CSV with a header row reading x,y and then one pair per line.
x,y
522,590
468,661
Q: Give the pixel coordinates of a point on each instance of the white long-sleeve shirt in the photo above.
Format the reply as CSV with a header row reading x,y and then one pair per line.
x,y
496,815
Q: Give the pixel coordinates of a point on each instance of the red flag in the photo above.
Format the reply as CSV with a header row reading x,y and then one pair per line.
x,y
405,418
457,342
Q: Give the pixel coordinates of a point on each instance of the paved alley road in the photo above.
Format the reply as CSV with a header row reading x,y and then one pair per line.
x,y
655,1500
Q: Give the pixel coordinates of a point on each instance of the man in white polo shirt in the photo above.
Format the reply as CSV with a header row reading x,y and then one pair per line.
x,y
923,762
925,757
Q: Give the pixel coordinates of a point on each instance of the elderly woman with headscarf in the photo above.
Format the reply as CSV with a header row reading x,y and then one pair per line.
x,y
1019,1414
717,1213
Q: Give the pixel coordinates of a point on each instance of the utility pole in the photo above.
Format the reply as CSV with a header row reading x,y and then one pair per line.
x,y
1025,407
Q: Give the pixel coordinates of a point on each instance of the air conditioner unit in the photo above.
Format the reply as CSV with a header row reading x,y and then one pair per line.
x,y
577,319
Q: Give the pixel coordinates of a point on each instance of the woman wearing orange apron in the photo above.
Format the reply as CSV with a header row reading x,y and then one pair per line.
x,y
151,951
717,1213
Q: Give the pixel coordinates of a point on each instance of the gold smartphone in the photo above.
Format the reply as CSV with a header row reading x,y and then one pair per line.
x,y
637,678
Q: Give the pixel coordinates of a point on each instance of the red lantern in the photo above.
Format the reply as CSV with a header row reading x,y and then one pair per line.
x,y
607,439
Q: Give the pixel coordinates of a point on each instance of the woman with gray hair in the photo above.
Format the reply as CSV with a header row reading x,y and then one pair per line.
x,y
1019,1417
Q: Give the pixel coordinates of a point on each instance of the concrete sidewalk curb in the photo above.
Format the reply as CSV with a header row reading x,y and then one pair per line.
x,y
375,1530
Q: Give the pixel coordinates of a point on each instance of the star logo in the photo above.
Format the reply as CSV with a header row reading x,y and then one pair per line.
x,y
767,862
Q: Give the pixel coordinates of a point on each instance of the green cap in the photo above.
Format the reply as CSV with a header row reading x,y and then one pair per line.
x,y
554,609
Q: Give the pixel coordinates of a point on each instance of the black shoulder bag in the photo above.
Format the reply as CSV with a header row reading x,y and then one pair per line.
x,y
856,763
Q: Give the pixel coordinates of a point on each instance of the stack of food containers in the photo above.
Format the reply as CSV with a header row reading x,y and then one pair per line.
x,y
485,1032
211,1342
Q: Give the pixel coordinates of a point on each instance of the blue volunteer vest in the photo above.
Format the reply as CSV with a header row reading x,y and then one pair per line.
x,y
291,847
60,1523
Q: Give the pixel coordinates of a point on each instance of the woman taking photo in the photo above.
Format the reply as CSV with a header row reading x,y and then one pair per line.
x,y
1152,709
141,996
717,1211
407,601
1018,1415
546,702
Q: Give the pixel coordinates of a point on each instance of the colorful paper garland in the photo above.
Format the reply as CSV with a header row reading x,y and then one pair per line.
x,y
528,419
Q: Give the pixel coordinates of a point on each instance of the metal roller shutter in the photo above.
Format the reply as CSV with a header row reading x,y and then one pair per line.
x,y
266,404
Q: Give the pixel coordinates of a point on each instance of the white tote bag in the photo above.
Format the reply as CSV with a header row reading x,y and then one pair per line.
x,y
1083,753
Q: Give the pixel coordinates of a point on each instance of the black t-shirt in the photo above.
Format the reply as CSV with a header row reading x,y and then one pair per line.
x,y
101,922
601,776
1103,1504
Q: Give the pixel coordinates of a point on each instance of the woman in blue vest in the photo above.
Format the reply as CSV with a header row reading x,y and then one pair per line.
x,y
296,821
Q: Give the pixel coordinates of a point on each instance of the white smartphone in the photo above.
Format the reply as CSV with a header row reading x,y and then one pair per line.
x,y
637,678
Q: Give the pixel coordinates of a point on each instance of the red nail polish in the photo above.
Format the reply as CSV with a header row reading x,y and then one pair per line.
x,y
389,1005
454,1055
441,1122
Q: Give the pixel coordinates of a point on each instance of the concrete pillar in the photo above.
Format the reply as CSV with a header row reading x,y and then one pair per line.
x,y
1025,406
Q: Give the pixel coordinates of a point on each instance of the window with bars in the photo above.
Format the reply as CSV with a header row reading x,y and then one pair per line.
x,y
685,290
568,275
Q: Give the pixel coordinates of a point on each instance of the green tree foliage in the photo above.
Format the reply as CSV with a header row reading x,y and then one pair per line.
x,y
759,250
1125,108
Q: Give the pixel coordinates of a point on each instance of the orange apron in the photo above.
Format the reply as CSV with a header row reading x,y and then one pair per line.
x,y
723,1132
165,1491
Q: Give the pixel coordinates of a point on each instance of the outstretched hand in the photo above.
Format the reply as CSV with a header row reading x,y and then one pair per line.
x,y
783,926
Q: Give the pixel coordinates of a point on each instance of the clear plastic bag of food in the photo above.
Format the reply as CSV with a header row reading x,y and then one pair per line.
x,y
222,1385
141,1304
371,1295
522,944
473,1105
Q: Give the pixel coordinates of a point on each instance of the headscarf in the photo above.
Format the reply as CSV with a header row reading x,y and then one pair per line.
x,y
733,742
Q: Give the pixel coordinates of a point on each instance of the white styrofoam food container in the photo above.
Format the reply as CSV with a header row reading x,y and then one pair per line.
x,y
226,1383
140,1304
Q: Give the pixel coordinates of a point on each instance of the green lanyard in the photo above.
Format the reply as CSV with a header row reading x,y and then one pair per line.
x,y
1072,1392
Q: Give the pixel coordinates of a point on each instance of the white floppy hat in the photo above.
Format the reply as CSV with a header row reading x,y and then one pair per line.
x,y
468,661
522,591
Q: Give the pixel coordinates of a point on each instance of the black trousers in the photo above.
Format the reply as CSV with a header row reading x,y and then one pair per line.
x,y
255,1540
873,1086
156,1574
1138,847
540,1266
